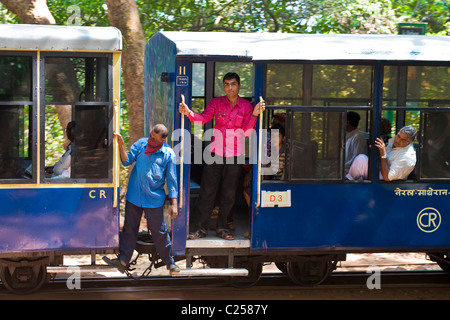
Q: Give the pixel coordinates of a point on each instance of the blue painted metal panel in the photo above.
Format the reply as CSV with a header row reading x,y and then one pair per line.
x,y
58,219
354,216
179,224
161,104
159,95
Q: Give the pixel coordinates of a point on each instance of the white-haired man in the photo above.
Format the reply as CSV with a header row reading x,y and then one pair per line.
x,y
397,159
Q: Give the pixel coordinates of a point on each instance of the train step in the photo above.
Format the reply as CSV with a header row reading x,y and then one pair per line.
x,y
215,242
82,268
212,272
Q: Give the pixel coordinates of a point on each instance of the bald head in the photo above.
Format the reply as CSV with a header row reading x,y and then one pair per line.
x,y
161,130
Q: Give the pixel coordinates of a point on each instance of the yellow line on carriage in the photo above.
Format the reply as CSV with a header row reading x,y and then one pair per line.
x,y
68,50
56,185
116,124
38,113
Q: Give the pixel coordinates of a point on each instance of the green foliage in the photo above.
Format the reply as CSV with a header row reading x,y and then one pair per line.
x,y
435,13
300,16
54,136
86,13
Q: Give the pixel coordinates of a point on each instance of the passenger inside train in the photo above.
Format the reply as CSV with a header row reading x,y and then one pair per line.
x,y
355,141
61,169
397,159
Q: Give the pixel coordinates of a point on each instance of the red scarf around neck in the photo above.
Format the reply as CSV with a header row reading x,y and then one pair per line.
x,y
153,146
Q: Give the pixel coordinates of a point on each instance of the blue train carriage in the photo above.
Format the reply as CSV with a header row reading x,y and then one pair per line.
x,y
59,104
308,219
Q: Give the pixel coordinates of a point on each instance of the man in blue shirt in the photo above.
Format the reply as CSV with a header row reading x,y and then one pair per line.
x,y
154,163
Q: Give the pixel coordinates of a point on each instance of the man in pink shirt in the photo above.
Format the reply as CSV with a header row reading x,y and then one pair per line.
x,y
235,118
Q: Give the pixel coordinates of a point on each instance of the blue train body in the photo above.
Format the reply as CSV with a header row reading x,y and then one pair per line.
x,y
355,217
60,87
57,219
314,215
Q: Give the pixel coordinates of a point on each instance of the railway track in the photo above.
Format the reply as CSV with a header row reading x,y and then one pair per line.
x,y
272,286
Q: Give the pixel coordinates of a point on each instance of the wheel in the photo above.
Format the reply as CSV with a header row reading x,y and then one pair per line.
x,y
24,280
254,273
309,272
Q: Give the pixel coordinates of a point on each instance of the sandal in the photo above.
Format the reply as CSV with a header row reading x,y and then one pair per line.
x,y
225,234
197,235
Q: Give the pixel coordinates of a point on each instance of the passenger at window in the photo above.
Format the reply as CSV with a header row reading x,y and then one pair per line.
x,y
278,118
154,165
397,159
385,129
277,163
234,118
61,169
355,142
278,123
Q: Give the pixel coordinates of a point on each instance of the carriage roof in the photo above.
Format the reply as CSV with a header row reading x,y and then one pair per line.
x,y
289,46
53,37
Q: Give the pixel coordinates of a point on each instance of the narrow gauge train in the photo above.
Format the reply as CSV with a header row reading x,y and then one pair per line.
x,y
310,219
56,79
306,222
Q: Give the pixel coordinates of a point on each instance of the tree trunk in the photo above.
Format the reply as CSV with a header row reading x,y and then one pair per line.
x,y
30,11
36,12
123,14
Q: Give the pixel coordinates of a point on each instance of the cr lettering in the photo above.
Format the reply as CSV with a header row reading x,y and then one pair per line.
x,y
93,194
431,217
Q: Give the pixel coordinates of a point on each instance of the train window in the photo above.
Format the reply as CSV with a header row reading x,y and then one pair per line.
x,y
317,134
198,95
15,157
198,80
16,106
77,118
416,86
418,95
341,85
77,147
92,158
435,151
284,84
316,145
426,84
76,79
16,73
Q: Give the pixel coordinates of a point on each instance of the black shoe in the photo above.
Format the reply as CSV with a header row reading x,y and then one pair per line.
x,y
173,268
115,263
